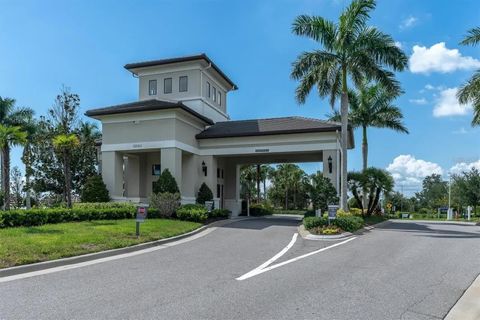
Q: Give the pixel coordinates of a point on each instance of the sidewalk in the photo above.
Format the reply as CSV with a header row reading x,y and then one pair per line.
x,y
468,306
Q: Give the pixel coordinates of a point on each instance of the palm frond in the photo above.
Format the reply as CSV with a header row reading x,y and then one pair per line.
x,y
381,48
354,18
316,28
472,38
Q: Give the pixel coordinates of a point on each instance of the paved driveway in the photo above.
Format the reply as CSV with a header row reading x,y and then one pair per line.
x,y
397,271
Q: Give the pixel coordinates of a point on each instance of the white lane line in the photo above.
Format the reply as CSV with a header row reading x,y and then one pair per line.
x,y
257,271
271,260
106,259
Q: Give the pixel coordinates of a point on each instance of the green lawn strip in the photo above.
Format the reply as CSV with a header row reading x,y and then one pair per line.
x,y
25,245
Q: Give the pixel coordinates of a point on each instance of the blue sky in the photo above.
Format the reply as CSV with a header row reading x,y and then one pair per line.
x,y
84,44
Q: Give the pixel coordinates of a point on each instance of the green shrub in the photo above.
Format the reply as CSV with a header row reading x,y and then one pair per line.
x,y
103,205
342,213
95,190
314,222
165,183
36,217
349,224
346,223
219,213
309,213
204,194
356,212
192,212
261,210
165,203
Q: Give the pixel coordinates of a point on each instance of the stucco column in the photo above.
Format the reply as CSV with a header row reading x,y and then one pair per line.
x,y
112,173
171,159
331,172
190,176
132,176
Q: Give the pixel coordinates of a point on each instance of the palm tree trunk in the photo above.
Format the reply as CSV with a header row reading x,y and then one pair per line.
x,y
365,159
344,136
258,183
68,179
28,200
6,176
264,189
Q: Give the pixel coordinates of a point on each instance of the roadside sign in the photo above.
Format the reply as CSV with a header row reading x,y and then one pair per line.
x,y
141,213
209,205
332,211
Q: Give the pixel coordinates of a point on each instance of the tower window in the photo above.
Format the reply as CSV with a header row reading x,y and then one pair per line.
x,y
183,84
219,98
214,94
152,87
167,85
208,89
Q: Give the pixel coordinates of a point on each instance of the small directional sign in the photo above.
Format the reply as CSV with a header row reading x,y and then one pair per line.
x,y
141,213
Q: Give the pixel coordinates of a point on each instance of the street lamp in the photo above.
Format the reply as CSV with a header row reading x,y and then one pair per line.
x,y
449,215
330,164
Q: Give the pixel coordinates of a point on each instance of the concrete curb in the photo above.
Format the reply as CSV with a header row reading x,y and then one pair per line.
x,y
462,223
108,253
309,236
468,306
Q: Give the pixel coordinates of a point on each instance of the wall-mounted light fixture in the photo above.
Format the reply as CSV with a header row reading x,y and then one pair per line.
x,y
330,164
204,168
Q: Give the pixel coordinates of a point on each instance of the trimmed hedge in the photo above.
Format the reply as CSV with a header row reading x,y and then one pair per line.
x,y
219,213
36,217
192,212
346,223
261,210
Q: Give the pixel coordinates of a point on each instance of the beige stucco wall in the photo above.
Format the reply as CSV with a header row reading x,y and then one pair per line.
x,y
193,88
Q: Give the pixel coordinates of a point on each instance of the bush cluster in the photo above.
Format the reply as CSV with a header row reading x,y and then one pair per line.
x,y
36,217
346,223
204,194
165,203
192,212
198,213
261,210
95,190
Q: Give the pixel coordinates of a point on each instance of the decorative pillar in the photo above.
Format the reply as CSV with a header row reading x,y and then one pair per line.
x,y
171,159
112,173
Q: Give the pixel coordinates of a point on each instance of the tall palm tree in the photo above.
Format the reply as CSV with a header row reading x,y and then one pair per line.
x,y
351,51
372,106
10,116
27,154
10,136
469,92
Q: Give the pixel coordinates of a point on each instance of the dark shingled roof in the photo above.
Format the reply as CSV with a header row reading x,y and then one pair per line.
x,y
262,127
145,105
202,56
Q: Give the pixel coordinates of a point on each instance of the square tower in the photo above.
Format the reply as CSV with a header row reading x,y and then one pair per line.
x,y
194,80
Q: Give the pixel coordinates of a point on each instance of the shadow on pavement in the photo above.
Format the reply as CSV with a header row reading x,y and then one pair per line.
x,y
259,223
433,230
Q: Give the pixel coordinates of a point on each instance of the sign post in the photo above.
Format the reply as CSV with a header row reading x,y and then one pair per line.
x,y
469,212
141,216
332,212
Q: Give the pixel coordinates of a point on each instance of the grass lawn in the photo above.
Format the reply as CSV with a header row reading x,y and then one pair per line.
x,y
24,245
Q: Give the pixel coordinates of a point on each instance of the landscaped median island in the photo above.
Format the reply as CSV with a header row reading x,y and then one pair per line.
x,y
344,222
28,236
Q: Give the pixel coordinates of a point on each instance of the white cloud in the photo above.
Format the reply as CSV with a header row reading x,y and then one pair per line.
x,y
420,101
440,59
410,172
398,44
464,166
429,87
408,22
447,104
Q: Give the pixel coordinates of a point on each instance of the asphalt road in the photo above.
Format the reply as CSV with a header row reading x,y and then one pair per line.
x,y
396,271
